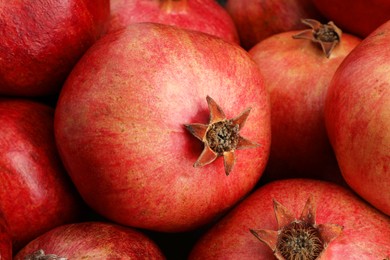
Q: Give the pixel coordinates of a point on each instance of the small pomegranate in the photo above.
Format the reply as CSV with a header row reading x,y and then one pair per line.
x,y
201,15
91,240
298,219
297,68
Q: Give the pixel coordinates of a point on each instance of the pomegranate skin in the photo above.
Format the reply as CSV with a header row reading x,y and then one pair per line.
x,y
124,142
256,20
297,74
42,40
5,241
94,240
364,236
358,120
36,194
201,15
361,18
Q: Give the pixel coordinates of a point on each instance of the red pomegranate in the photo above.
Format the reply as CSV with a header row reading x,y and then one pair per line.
x,y
42,40
301,218
121,120
200,15
5,241
297,73
359,17
358,120
91,240
256,20
36,194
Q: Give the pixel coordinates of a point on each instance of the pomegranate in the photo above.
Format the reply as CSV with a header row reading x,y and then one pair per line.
x,y
36,194
201,15
121,121
301,218
256,20
360,17
297,73
5,241
42,40
91,240
358,120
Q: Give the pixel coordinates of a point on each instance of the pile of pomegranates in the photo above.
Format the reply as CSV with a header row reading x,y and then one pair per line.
x,y
194,129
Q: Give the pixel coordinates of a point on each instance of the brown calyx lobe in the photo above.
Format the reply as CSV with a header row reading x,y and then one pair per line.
x,y
300,240
223,136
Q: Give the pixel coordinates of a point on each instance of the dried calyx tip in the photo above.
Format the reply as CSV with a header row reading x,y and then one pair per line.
x,y
327,35
298,238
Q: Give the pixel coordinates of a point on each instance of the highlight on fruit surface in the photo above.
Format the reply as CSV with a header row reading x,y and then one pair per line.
x,y
327,35
221,136
298,238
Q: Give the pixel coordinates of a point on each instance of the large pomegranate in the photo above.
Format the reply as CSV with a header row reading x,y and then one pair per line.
x,y
359,17
357,113
201,15
91,240
41,40
297,73
298,219
256,20
122,119
36,194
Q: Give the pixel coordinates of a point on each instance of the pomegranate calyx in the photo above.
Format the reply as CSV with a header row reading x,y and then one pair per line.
x,y
327,35
40,255
221,136
298,238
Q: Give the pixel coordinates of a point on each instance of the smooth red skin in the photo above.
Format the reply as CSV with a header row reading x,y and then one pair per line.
x,y
358,120
297,74
201,15
360,17
36,194
43,39
119,126
5,241
256,20
94,240
365,233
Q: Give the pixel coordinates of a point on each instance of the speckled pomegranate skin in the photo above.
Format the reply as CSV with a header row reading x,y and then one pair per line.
x,y
357,114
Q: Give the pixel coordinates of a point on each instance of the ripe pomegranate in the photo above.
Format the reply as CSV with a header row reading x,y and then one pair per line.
x,y
358,120
297,73
361,18
256,20
91,240
200,15
122,118
288,216
5,241
36,194
42,40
